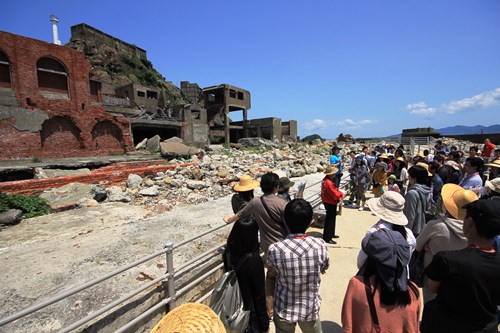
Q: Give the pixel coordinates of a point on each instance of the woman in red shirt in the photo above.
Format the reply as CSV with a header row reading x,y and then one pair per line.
x,y
331,196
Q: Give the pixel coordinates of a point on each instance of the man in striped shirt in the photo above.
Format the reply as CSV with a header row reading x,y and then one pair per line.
x,y
299,260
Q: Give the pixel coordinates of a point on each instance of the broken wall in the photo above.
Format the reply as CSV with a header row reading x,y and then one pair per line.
x,y
43,115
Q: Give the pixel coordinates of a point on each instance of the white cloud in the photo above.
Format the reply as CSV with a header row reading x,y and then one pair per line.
x,y
316,124
421,108
481,101
350,124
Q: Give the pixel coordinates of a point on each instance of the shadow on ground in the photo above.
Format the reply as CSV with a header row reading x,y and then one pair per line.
x,y
330,327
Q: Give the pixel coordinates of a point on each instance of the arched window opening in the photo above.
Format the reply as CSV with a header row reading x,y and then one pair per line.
x,y
4,71
52,75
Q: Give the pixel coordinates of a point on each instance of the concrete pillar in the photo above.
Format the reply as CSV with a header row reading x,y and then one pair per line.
x,y
226,125
245,123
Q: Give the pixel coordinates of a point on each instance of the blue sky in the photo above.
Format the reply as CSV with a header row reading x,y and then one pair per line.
x,y
364,67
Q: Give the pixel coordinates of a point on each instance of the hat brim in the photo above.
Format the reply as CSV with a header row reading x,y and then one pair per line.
x,y
493,165
447,193
491,186
243,188
190,318
286,186
334,171
385,214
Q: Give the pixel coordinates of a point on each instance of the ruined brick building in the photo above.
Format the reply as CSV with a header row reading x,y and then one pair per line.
x,y
50,107
56,102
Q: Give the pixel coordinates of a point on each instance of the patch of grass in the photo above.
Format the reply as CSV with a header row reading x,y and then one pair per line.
x,y
30,206
36,159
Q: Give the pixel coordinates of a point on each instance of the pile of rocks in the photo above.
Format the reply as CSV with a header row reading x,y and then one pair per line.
x,y
214,173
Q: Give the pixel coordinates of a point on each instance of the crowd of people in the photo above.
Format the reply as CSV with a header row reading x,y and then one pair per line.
x,y
439,209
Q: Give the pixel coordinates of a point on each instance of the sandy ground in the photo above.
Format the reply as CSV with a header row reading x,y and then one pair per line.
x,y
44,256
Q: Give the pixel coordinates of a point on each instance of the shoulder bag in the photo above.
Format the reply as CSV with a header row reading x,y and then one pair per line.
x,y
227,301
373,310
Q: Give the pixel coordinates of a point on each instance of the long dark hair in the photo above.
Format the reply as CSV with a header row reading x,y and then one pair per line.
x,y
388,297
246,195
242,240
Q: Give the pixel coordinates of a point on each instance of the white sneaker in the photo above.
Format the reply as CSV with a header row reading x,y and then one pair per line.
x,y
355,206
361,208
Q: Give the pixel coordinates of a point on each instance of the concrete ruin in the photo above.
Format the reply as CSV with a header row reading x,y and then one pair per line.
x,y
53,103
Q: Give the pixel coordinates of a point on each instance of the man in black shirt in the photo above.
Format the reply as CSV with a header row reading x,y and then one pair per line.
x,y
466,281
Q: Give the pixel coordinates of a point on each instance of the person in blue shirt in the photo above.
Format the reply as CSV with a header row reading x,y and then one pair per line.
x,y
336,161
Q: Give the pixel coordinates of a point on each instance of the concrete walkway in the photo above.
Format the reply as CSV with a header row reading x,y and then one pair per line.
x,y
351,227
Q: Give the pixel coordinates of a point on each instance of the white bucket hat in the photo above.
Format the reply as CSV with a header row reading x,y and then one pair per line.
x,y
494,184
389,207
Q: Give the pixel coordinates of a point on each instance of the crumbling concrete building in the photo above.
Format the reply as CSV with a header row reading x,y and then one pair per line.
x,y
49,106
53,103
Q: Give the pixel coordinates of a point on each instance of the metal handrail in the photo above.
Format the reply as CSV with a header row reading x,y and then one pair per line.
x,y
169,277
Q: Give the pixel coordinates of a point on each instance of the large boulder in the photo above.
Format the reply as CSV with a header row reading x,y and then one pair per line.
x,y
153,144
115,194
173,149
257,142
11,217
67,195
134,181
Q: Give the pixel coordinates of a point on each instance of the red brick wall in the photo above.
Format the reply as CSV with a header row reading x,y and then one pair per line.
x,y
23,54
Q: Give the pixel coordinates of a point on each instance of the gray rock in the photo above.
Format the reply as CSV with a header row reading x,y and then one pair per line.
x,y
115,194
148,182
142,144
99,193
40,174
310,169
68,194
196,184
63,172
134,181
176,149
257,142
174,139
11,217
150,191
297,172
153,144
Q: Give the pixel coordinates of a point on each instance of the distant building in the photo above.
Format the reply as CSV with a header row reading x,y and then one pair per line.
x,y
420,132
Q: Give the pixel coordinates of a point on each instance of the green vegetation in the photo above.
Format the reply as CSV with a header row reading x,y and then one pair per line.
x,y
36,159
311,138
30,206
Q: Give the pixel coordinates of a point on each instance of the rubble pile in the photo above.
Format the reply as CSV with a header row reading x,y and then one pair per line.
x,y
213,174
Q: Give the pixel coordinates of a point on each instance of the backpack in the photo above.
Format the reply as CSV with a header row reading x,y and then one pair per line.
x,y
227,302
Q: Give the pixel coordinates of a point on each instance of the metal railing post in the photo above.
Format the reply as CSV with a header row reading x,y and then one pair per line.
x,y
170,273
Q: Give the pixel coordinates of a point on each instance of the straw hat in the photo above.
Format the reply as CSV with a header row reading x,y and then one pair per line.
x,y
420,155
383,156
494,164
493,184
455,197
425,166
285,184
330,171
389,207
452,164
400,159
190,318
246,184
